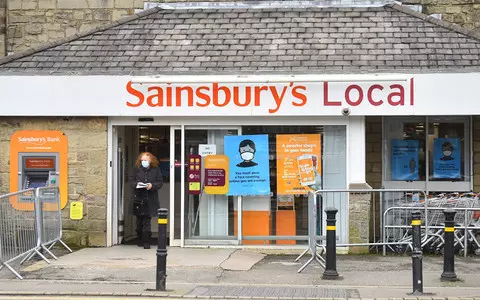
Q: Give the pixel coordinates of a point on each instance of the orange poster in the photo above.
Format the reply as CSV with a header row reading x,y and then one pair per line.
x,y
216,174
291,147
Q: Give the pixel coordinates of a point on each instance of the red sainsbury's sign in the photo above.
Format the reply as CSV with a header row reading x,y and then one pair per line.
x,y
273,98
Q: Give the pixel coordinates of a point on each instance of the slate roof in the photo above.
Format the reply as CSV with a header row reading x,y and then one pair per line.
x,y
334,40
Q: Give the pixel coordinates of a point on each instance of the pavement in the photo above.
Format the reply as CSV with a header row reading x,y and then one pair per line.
x,y
128,272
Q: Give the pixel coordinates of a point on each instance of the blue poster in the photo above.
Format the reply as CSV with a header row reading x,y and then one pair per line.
x,y
405,159
249,170
446,158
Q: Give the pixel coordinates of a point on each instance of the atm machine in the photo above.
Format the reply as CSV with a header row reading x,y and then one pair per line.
x,y
39,158
36,170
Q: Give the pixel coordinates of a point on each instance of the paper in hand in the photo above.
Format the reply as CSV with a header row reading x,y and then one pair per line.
x,y
142,185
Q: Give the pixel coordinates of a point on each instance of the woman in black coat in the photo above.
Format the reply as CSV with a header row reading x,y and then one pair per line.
x,y
145,197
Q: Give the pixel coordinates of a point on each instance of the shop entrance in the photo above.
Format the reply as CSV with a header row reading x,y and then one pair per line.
x,y
193,218
205,219
130,142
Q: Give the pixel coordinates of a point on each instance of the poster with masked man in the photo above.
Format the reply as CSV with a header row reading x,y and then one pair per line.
x,y
249,165
446,158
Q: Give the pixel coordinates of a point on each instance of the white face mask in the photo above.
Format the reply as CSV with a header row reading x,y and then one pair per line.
x,y
447,153
145,163
247,156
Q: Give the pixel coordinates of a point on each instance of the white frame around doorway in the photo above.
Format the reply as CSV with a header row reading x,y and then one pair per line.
x,y
174,242
355,163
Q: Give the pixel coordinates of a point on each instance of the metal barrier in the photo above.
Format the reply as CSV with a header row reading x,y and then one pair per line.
x,y
26,233
18,229
313,239
467,230
387,212
395,207
51,217
359,200
363,206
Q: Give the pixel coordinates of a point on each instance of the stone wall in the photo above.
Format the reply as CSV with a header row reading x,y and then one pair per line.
x,y
359,217
36,22
87,172
3,27
462,12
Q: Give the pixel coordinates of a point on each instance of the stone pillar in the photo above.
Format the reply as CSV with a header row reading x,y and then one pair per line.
x,y
373,169
359,220
373,140
3,27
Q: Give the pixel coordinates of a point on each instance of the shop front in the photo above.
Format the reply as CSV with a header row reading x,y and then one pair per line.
x,y
230,168
332,124
248,207
234,100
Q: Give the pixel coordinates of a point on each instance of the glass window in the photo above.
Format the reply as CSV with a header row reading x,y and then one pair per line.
x,y
446,148
404,157
287,212
415,147
206,216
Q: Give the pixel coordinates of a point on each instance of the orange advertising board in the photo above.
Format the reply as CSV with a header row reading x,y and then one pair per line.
x,y
216,174
38,141
292,148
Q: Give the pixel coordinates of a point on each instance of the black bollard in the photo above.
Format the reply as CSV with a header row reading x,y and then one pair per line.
x,y
448,248
417,254
162,250
331,253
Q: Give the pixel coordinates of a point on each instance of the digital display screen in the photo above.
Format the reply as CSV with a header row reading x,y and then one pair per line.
x,y
39,163
37,182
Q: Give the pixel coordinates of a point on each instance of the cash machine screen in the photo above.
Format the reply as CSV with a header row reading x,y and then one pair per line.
x,y
39,163
36,171
37,182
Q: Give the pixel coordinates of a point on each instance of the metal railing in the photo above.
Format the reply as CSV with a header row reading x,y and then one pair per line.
x,y
354,219
365,213
25,233
467,220
390,209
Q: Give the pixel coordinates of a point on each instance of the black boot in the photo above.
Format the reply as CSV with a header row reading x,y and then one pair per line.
x,y
139,239
146,239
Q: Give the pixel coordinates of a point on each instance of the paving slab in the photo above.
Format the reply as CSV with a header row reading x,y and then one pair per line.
x,y
131,256
241,260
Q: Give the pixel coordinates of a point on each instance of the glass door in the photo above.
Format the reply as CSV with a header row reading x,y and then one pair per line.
x,y
200,218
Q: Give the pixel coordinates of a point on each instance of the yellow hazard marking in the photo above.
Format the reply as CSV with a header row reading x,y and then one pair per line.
x,y
416,222
331,227
162,221
449,229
